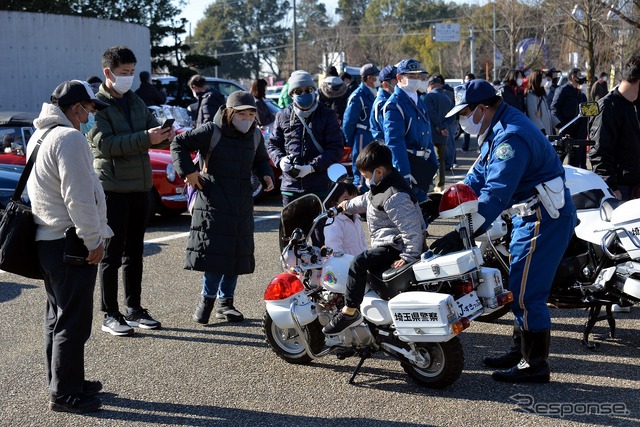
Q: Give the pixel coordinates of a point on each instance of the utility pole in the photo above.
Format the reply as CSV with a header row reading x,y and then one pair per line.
x,y
495,75
471,58
295,41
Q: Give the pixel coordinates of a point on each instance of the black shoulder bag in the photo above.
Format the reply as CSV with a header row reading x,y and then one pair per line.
x,y
18,252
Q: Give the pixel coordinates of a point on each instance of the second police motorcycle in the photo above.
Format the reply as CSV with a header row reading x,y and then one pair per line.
x,y
413,313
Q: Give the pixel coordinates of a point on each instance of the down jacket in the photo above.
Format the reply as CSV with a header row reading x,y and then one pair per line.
x,y
121,146
221,232
289,138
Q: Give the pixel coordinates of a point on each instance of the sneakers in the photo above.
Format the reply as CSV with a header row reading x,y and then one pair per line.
x,y
226,311
342,321
91,388
76,403
140,318
115,324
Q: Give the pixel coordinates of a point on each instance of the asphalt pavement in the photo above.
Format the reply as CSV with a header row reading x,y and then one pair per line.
x,y
224,374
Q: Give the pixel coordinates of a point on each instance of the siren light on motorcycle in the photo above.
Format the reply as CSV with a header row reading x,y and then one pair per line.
x,y
282,287
458,200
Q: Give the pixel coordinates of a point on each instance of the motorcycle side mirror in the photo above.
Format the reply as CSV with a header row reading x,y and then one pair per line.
x,y
589,109
337,173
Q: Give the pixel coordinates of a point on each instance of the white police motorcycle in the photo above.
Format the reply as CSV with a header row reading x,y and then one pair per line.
x,y
413,313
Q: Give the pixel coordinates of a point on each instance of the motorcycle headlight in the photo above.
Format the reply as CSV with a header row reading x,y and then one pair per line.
x,y
170,172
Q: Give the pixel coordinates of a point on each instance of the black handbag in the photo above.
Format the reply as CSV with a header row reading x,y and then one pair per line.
x,y
18,252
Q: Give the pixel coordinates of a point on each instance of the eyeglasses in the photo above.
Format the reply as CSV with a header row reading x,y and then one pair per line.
x,y
301,91
88,112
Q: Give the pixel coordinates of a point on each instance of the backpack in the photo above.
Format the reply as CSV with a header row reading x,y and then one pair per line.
x,y
215,139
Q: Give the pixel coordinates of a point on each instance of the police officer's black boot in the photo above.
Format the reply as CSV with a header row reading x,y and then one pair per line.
x,y
227,311
204,309
533,368
511,357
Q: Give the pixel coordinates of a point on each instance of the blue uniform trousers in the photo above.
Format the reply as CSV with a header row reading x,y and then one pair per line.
x,y
538,243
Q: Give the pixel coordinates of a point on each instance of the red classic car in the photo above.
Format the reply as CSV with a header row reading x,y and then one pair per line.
x,y
166,197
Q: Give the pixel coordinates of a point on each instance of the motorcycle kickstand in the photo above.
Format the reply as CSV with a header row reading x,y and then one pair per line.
x,y
363,356
594,311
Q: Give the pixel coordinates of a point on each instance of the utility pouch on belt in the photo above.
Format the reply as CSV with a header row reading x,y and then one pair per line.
x,y
551,195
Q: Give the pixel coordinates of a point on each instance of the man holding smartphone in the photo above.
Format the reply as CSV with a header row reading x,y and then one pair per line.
x,y
120,141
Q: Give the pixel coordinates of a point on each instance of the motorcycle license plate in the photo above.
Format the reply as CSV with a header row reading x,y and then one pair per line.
x,y
468,305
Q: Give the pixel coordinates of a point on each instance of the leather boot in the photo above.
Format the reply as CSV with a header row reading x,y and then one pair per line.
x,y
227,311
511,357
533,368
204,309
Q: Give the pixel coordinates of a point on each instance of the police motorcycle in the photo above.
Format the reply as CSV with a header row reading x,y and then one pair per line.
x,y
601,265
413,314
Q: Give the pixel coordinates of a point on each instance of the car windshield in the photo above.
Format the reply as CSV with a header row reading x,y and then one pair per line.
x,y
12,140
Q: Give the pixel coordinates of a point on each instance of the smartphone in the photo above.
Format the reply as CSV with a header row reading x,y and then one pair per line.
x,y
168,123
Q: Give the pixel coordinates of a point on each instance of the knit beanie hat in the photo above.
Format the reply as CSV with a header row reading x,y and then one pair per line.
x,y
300,79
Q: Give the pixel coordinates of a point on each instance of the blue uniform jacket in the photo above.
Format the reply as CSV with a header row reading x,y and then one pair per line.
x,y
355,122
376,119
406,127
514,158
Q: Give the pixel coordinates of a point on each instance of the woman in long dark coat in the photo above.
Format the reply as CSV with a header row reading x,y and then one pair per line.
x,y
221,235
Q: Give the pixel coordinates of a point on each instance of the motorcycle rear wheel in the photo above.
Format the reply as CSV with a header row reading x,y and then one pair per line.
x,y
445,367
287,344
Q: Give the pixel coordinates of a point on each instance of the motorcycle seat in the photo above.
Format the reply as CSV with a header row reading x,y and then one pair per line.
x,y
607,208
391,282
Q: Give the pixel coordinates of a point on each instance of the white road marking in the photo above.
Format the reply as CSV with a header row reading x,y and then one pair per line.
x,y
181,235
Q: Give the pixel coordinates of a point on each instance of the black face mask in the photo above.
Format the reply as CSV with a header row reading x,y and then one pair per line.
x,y
580,80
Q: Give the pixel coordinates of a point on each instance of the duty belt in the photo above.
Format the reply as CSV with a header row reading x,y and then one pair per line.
x,y
419,153
525,208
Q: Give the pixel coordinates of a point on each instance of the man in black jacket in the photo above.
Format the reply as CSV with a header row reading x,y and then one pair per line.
x,y
565,107
150,94
209,99
616,133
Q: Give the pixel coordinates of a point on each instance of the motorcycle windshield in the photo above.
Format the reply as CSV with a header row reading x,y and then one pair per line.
x,y
298,214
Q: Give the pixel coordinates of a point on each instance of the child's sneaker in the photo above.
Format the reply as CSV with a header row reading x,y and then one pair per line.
x,y
342,321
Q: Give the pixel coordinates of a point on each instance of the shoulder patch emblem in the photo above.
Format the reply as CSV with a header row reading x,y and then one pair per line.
x,y
504,151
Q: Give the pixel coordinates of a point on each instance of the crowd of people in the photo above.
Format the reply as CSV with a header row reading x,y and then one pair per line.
x,y
399,122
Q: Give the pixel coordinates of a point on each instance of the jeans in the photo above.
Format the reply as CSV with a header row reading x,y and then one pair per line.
x,y
219,285
379,258
68,317
127,215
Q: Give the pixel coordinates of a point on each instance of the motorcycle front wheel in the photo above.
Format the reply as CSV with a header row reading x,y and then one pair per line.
x,y
445,361
288,345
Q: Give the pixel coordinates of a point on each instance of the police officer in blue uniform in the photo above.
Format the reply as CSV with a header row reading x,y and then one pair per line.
x,y
355,122
407,130
519,171
388,82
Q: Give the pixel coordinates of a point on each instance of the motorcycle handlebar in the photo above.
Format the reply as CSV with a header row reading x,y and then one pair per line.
x,y
566,140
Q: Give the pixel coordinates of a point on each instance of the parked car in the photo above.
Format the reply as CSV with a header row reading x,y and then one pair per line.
x,y
167,196
9,177
273,92
183,121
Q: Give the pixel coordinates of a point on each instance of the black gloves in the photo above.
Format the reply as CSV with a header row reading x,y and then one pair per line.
x,y
450,242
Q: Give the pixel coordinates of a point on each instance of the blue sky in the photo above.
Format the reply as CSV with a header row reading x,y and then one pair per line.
x,y
194,10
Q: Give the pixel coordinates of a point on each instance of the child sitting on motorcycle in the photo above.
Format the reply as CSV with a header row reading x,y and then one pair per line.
x,y
395,224
345,232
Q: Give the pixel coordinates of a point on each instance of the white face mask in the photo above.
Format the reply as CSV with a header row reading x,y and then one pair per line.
x,y
376,83
604,78
424,86
411,85
519,82
467,124
371,181
241,125
122,83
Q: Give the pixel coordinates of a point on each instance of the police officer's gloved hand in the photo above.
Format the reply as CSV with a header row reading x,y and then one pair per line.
x,y
410,180
304,170
285,164
450,242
